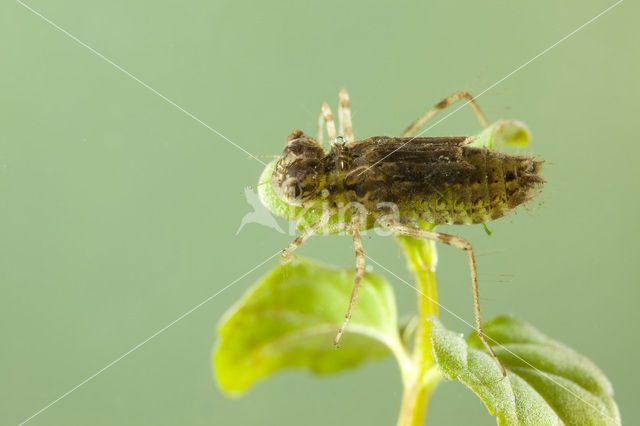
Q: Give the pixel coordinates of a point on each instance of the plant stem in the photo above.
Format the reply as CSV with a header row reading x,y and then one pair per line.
x,y
421,259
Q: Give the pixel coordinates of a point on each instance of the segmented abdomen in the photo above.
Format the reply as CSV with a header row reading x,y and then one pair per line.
x,y
496,184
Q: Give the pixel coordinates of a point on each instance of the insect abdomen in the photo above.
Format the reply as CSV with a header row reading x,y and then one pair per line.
x,y
496,184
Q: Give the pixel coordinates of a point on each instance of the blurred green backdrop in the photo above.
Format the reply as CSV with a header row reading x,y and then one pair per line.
x,y
119,212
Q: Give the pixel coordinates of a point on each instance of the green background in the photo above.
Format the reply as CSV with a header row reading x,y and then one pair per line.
x,y
119,212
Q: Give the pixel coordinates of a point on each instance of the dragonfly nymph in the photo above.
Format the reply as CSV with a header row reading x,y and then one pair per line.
x,y
397,183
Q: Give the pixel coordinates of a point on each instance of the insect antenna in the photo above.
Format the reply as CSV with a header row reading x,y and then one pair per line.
x,y
252,187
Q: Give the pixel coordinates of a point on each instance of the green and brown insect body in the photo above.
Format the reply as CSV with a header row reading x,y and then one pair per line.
x,y
398,182
435,180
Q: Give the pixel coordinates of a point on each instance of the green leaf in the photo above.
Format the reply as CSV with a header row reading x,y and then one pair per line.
x,y
504,133
547,383
291,317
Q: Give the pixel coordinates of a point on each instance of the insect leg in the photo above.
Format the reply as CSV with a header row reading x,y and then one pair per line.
x,y
321,129
345,127
356,224
326,117
286,256
451,99
462,244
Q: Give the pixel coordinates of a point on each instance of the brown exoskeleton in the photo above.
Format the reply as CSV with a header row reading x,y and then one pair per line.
x,y
439,180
